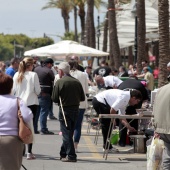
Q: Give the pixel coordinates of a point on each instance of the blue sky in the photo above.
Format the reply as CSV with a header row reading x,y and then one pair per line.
x,y
26,16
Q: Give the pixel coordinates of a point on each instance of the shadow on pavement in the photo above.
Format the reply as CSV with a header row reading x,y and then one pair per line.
x,y
135,159
99,161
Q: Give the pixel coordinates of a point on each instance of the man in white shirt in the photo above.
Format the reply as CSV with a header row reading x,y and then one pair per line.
x,y
113,101
108,82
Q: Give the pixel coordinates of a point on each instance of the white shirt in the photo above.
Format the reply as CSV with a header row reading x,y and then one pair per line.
x,y
111,81
9,114
28,89
57,77
81,76
116,99
86,74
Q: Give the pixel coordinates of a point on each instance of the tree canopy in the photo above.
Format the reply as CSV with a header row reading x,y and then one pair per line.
x,y
15,45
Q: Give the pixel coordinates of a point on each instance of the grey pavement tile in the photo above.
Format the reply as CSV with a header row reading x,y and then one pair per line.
x,y
90,156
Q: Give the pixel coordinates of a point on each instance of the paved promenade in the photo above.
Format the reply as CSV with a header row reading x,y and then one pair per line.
x,y
90,156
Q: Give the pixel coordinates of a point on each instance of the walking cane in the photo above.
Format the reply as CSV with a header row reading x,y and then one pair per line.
x,y
63,112
24,167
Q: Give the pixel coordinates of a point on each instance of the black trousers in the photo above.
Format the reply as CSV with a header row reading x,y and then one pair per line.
x,y
34,111
130,110
101,108
67,147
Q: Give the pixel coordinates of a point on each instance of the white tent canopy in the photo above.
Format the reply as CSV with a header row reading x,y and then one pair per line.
x,y
126,24
65,48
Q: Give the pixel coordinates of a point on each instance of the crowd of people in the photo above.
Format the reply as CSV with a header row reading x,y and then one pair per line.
x,y
38,86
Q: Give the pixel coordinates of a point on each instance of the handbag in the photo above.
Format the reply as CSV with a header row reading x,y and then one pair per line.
x,y
24,132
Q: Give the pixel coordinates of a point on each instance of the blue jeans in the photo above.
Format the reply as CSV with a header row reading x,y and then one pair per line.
x,y
67,147
42,111
77,130
51,114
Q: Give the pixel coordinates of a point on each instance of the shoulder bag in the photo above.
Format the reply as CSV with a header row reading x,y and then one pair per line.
x,y
24,132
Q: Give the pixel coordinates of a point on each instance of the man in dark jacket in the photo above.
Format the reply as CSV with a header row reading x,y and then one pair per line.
x,y
67,92
46,78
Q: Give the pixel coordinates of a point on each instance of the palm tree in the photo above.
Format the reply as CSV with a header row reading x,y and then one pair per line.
x,y
113,39
141,32
75,23
90,29
130,56
65,5
163,9
81,13
105,33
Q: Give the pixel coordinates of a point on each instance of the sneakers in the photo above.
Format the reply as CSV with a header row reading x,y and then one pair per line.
x,y
36,132
30,156
46,133
52,118
68,160
112,150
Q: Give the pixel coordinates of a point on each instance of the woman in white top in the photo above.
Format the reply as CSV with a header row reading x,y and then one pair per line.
x,y
11,147
27,87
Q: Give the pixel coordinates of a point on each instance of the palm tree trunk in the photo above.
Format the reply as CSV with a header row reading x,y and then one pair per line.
x,y
66,21
141,31
113,39
75,23
90,31
105,33
82,21
163,9
130,56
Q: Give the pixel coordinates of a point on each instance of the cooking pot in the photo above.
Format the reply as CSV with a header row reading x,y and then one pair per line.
x,y
139,142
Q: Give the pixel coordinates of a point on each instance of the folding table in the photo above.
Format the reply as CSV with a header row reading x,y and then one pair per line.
x,y
113,116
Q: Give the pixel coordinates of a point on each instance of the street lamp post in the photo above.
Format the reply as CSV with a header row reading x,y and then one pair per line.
x,y
98,35
134,13
136,40
98,32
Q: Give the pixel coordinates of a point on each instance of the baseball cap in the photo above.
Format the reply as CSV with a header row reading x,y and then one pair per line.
x,y
168,65
48,60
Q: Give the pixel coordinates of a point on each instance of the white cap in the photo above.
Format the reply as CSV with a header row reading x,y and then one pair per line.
x,y
64,66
